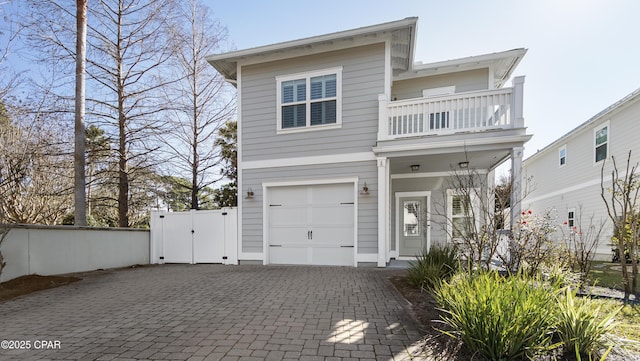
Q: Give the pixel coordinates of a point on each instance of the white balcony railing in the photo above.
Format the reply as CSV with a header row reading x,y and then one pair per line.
x,y
461,112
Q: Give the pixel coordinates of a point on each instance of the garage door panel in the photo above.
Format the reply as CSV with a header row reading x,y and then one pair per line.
x,y
332,256
332,215
331,194
289,195
312,224
289,255
289,216
289,235
336,236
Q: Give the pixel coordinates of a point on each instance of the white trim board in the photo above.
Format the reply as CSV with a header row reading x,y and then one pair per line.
x,y
434,174
311,160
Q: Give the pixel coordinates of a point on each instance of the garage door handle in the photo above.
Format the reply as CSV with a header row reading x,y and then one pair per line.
x,y
275,245
346,246
346,203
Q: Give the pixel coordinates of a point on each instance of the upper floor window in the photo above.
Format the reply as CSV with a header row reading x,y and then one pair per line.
x,y
562,155
601,141
571,218
310,100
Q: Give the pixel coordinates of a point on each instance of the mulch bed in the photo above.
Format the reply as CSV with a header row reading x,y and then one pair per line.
x,y
32,283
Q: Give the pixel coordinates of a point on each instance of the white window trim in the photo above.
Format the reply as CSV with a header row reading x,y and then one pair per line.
x,y
564,147
307,76
475,204
595,130
570,226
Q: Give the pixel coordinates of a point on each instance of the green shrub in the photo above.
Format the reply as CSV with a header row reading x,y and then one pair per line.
x,y
496,317
581,327
431,267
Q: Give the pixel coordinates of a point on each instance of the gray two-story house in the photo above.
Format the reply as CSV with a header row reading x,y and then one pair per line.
x,y
567,174
345,144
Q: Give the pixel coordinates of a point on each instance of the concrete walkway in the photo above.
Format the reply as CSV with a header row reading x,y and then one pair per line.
x,y
214,312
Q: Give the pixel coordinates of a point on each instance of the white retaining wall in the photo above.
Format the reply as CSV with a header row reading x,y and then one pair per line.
x,y
50,250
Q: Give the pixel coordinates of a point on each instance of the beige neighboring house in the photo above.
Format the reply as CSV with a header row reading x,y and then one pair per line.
x,y
565,175
346,143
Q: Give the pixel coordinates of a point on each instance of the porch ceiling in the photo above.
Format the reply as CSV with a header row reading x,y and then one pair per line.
x,y
448,162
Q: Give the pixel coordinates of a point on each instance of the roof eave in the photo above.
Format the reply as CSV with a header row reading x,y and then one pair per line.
x,y
469,63
226,63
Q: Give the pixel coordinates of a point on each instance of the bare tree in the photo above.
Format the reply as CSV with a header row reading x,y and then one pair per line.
x,y
79,134
201,100
130,48
35,168
621,201
127,48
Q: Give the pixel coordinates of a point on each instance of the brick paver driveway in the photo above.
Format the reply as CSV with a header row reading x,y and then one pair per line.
x,y
215,312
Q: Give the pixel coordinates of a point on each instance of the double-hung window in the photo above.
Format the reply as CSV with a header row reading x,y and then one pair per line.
x,y
562,156
601,142
571,218
462,212
309,100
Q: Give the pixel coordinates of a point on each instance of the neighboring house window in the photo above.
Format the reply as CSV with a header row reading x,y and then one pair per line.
x,y
562,155
571,218
309,100
601,138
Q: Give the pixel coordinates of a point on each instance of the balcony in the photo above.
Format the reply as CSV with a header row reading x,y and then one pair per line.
x,y
450,114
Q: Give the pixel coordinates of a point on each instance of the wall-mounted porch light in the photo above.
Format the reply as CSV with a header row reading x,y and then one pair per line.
x,y
415,167
463,165
249,194
365,190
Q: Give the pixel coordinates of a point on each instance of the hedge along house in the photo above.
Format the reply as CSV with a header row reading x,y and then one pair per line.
x,y
345,145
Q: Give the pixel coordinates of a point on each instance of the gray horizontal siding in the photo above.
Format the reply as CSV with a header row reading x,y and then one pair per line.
x,y
465,81
547,177
362,81
252,227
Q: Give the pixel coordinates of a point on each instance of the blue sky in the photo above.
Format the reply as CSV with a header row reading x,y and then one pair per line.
x,y
583,54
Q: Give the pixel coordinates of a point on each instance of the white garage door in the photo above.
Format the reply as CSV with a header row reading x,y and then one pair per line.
x,y
312,225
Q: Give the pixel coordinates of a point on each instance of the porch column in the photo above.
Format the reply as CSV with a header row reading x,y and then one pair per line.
x,y
383,117
516,184
383,210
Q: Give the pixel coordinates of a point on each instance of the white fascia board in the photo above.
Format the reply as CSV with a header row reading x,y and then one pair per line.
x,y
446,146
363,31
311,160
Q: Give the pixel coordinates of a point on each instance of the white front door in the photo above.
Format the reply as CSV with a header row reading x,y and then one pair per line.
x,y
413,223
312,225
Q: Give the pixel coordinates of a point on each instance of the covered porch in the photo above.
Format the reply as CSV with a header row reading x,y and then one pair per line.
x,y
419,185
